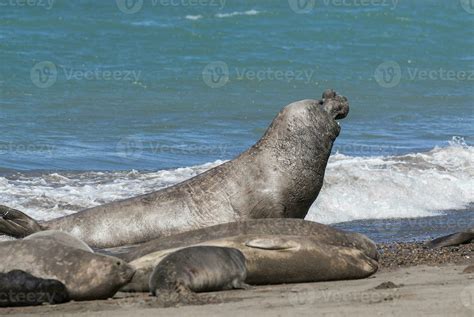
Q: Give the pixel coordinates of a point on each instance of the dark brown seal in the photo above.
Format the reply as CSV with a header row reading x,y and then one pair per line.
x,y
452,239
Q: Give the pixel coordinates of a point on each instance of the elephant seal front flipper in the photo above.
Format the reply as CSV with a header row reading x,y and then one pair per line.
x,y
16,223
452,239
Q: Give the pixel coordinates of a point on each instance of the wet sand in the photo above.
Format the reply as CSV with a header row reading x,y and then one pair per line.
x,y
411,281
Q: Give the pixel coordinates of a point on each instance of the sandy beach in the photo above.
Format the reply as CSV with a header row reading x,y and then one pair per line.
x,y
420,282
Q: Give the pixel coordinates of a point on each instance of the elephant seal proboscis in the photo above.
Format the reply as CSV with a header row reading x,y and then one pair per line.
x,y
278,177
198,269
86,275
19,288
275,259
452,239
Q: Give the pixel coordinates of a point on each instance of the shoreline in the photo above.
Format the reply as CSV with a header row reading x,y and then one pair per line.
x,y
411,280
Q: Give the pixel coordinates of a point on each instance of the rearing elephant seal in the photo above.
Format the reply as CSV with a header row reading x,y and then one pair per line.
x,y
279,177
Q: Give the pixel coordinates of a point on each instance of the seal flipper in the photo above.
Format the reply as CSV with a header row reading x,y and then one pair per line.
x,y
16,224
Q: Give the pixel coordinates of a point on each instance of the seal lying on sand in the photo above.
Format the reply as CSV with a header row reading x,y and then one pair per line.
x,y
86,275
19,288
452,239
290,227
279,177
286,252
199,269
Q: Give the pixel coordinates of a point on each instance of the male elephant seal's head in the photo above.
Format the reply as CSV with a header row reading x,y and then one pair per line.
x,y
311,120
336,106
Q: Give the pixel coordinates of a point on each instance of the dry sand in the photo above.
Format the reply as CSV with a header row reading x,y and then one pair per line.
x,y
414,291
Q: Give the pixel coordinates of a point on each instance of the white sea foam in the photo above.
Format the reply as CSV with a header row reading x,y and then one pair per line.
x,y
193,17
231,14
149,23
412,185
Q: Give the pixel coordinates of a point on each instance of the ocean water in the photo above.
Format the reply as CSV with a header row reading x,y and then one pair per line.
x,y
103,100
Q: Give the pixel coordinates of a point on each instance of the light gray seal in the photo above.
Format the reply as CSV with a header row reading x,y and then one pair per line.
x,y
61,238
199,269
86,275
277,251
278,177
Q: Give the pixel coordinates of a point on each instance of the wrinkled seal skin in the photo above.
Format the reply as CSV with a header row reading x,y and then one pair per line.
x,y
276,259
452,239
19,288
279,177
199,269
86,275
287,244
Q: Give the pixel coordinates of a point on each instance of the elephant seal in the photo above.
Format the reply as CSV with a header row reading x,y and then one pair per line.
x,y
275,259
278,177
19,288
292,227
198,269
452,239
86,275
62,238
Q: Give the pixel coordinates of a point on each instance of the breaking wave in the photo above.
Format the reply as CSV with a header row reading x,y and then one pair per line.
x,y
411,185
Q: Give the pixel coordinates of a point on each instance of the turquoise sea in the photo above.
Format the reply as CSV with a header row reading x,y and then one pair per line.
x,y
102,100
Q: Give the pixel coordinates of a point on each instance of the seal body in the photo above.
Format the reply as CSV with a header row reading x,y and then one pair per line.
x,y
287,252
86,275
22,289
61,238
289,227
279,177
199,269
452,239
